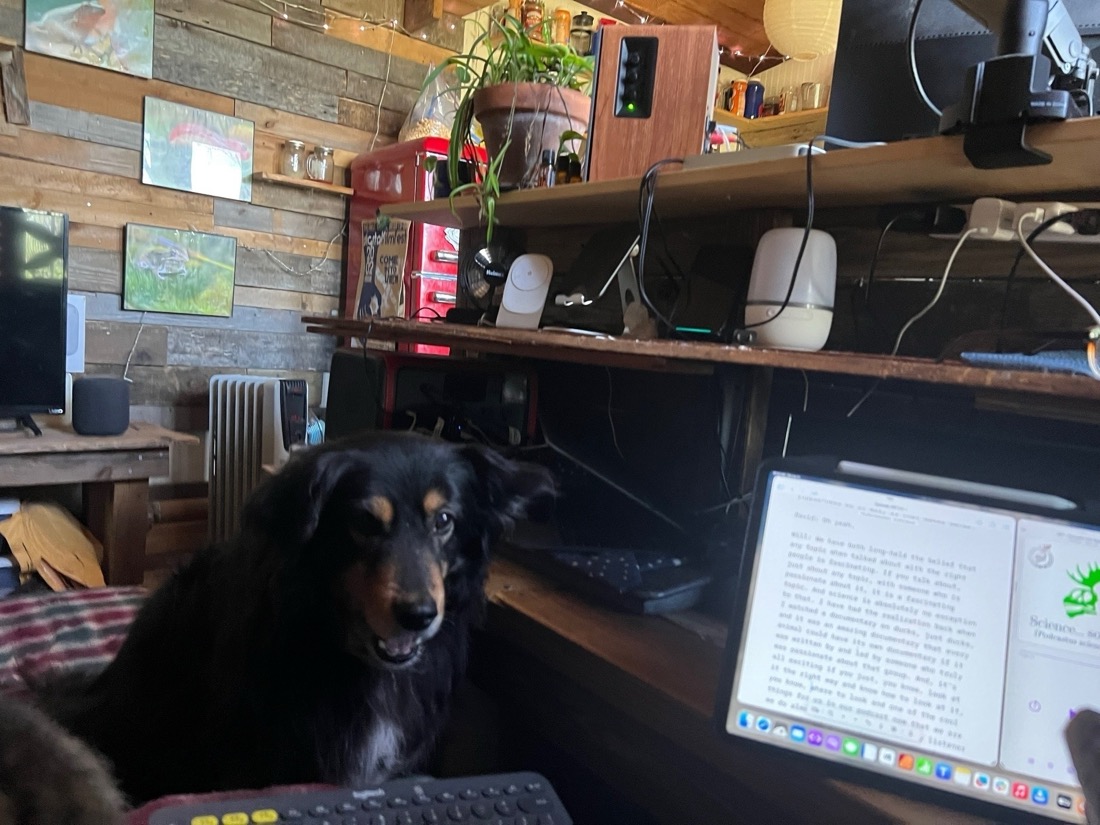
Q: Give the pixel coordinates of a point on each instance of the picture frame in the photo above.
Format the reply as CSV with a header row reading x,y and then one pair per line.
x,y
179,271
109,34
194,150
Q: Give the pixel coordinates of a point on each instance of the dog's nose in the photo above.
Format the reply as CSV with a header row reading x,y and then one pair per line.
x,y
415,615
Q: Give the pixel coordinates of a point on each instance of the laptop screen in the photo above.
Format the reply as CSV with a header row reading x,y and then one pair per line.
x,y
916,635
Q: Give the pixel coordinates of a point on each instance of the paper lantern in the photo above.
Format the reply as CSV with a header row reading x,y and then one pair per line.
x,y
803,29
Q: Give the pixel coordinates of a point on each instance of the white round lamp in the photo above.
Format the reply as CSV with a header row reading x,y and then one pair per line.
x,y
803,29
805,321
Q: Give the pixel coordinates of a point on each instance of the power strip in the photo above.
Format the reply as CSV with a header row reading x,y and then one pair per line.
x,y
788,150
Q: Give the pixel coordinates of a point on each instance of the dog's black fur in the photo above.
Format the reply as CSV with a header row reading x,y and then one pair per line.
x,y
304,650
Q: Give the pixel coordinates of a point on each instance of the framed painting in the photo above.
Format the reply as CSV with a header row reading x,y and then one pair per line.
x,y
175,270
109,34
197,151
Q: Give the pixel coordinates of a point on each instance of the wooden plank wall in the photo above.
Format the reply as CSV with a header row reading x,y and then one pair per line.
x,y
349,88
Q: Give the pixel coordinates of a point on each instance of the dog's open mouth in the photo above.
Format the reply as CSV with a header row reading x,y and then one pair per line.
x,y
400,650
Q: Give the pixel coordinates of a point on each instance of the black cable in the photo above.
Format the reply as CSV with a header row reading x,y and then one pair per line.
x,y
646,192
914,72
874,258
805,239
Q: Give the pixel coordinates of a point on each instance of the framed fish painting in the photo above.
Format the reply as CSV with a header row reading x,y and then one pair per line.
x,y
109,34
174,270
196,150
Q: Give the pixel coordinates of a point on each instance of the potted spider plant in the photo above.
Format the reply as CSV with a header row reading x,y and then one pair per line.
x,y
526,95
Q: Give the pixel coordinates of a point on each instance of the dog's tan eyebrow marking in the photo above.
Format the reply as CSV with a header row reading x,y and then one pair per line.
x,y
382,509
434,501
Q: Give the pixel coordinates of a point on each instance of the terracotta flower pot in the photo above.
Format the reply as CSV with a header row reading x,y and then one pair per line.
x,y
539,113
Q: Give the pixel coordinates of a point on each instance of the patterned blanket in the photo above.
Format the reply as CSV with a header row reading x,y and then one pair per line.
x,y
54,632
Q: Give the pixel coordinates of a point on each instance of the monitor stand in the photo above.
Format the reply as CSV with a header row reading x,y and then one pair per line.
x,y
27,423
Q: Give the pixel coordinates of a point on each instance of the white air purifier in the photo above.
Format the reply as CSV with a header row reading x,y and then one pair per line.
x,y
805,321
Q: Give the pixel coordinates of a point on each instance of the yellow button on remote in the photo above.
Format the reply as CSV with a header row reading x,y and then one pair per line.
x,y
235,819
204,820
264,816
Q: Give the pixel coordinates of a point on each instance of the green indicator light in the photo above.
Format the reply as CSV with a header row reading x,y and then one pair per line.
x,y
630,107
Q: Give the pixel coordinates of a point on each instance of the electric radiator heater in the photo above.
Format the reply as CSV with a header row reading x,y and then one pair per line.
x,y
253,422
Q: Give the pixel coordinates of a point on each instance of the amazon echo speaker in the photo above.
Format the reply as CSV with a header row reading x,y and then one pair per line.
x,y
803,320
101,405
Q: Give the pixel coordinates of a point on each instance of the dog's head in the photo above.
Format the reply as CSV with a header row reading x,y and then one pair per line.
x,y
394,529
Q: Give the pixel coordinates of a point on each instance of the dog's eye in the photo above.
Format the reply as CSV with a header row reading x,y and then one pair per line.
x,y
443,521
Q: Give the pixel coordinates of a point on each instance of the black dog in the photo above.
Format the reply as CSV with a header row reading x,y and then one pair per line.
x,y
325,642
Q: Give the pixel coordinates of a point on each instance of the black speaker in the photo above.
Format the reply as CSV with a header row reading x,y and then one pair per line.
x,y
101,405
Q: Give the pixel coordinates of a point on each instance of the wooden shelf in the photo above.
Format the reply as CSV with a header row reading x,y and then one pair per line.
x,y
927,170
305,183
688,355
749,125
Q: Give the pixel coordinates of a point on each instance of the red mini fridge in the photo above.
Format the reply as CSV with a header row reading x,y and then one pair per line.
x,y
397,174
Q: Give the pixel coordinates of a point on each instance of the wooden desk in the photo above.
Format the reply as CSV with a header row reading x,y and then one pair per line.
x,y
633,697
114,472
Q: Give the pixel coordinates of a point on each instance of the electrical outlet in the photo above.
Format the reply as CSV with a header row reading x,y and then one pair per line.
x,y
993,219
1030,214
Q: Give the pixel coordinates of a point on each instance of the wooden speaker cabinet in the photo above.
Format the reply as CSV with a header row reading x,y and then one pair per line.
x,y
652,98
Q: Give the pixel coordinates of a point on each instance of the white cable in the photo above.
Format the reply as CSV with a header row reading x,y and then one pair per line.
x,y
133,349
1054,276
385,86
939,292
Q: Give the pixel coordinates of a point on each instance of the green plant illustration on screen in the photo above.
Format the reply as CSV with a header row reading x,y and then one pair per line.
x,y
1082,600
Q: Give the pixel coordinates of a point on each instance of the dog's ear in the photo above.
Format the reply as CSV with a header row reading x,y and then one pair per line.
x,y
288,507
509,490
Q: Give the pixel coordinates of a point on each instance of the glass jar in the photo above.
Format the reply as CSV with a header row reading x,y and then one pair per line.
x,y
292,160
533,12
580,38
320,165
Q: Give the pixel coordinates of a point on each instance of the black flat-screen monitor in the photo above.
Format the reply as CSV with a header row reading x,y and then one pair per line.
x,y
33,305
872,95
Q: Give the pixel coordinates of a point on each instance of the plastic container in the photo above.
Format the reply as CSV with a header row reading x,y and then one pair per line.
x,y
563,22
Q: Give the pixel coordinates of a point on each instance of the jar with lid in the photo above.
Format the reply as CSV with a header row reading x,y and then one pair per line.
x,y
563,22
320,165
533,13
580,37
292,159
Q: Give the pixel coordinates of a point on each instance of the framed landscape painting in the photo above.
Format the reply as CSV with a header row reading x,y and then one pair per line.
x,y
109,34
196,150
174,270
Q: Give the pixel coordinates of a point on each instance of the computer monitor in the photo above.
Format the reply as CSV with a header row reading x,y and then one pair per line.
x,y
873,97
33,305
921,634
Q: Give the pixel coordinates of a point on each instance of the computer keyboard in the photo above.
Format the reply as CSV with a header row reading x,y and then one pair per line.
x,y
492,799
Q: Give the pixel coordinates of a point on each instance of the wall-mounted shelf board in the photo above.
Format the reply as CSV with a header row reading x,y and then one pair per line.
x,y
677,355
305,183
926,170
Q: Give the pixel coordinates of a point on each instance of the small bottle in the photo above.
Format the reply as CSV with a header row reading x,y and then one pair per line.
x,y
533,12
575,170
546,176
563,21
515,10
562,174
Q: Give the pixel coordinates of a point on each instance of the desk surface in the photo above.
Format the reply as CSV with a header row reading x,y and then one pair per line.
x,y
139,436
666,676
